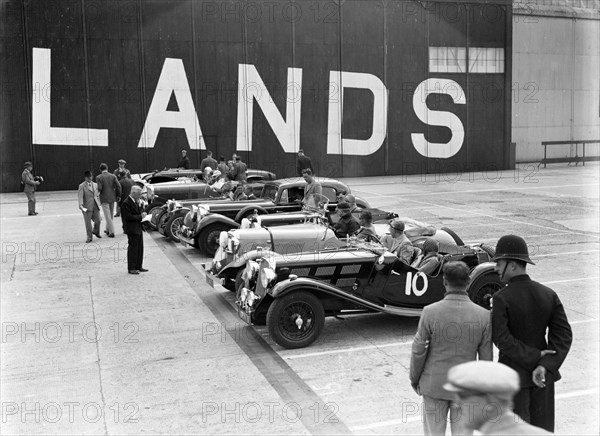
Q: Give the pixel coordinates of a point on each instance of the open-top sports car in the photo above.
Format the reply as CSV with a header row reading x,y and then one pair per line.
x,y
202,225
292,295
174,174
311,232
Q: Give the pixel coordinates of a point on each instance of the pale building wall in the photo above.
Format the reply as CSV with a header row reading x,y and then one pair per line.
x,y
556,79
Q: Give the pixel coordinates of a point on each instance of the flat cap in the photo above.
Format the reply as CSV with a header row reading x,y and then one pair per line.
x,y
121,161
397,224
483,377
27,164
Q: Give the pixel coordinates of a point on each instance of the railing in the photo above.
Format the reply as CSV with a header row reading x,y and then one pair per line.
x,y
570,159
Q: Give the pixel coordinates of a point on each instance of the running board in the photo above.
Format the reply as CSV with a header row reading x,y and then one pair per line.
x,y
402,311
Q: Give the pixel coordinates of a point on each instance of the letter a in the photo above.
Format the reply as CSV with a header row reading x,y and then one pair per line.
x,y
172,80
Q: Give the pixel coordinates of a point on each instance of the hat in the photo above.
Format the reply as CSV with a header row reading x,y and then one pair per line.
x,y
217,173
397,224
484,377
121,161
27,164
512,247
343,206
431,246
300,151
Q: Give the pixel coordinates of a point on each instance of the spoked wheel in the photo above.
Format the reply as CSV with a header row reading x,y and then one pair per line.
x,y
173,228
208,239
483,289
296,320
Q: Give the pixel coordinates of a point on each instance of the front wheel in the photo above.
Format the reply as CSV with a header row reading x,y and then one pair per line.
x,y
173,227
483,289
296,320
208,238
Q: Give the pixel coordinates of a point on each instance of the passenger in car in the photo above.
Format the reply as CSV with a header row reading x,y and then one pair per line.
x,y
431,258
397,242
367,230
347,225
351,200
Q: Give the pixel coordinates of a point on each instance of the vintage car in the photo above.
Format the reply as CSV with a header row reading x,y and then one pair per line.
x,y
174,174
292,295
203,225
186,188
314,233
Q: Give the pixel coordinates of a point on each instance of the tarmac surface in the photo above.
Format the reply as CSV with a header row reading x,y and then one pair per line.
x,y
89,349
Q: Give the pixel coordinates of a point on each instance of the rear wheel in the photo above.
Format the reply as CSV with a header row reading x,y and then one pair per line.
x,y
483,289
489,250
173,227
296,320
208,238
456,238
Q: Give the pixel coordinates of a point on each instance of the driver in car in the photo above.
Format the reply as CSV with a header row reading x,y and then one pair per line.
x,y
347,225
366,231
397,242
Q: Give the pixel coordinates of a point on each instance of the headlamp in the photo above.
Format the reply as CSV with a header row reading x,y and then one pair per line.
x,y
267,275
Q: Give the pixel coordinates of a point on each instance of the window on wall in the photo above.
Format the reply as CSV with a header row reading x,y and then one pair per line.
x,y
455,60
447,59
486,60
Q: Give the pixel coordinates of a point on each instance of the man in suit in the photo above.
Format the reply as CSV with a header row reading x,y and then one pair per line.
x,y
121,172
522,314
222,166
397,242
485,392
239,170
312,190
110,193
132,214
184,163
452,331
208,161
89,203
29,184
303,162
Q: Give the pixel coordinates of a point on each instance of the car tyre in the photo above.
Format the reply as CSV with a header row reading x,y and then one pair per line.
x,y
173,227
160,223
456,238
283,315
208,238
483,289
489,250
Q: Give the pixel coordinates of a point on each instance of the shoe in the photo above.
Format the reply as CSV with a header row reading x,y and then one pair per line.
x,y
117,214
35,213
133,271
88,240
106,231
32,213
142,270
111,235
98,235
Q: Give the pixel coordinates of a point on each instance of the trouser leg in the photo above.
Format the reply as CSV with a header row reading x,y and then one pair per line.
x,y
30,202
435,412
107,209
542,407
132,252
96,218
140,252
522,403
87,217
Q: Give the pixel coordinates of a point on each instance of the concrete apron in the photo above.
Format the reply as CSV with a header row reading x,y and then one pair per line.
x,y
90,349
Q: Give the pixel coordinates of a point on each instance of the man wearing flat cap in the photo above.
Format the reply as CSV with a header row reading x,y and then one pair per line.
x,y
29,184
121,171
485,392
396,241
523,313
347,225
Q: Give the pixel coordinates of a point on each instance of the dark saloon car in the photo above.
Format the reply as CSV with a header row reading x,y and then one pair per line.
x,y
174,174
292,295
203,225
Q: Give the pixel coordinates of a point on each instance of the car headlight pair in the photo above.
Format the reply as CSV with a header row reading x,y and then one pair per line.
x,y
247,298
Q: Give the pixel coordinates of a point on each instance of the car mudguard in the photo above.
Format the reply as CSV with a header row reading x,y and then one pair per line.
x,y
212,219
250,208
362,203
319,288
482,269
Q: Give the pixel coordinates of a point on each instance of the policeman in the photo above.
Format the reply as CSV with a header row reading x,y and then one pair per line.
x,y
522,314
485,391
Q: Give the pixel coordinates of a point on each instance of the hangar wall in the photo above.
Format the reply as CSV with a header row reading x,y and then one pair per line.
x,y
364,87
556,70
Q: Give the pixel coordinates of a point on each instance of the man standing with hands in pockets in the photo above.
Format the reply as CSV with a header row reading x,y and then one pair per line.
x,y
132,215
522,313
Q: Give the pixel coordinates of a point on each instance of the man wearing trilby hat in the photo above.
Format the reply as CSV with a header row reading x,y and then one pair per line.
x,y
522,313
